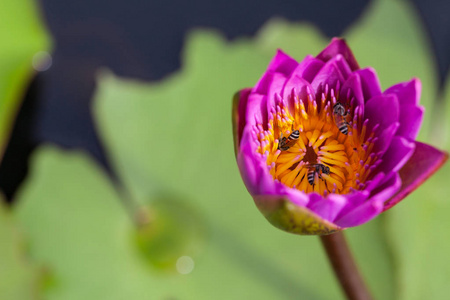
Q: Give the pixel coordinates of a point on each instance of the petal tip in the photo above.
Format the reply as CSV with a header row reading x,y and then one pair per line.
x,y
339,46
413,174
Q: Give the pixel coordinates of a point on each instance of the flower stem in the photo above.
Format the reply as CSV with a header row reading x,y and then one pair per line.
x,y
345,267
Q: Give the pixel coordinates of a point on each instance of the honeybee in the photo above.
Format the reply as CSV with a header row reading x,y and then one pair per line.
x,y
340,114
287,142
316,168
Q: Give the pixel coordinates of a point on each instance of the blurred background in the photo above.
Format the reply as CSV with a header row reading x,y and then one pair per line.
x,y
117,114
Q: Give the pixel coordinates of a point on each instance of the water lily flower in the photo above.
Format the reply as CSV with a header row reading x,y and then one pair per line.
x,y
321,147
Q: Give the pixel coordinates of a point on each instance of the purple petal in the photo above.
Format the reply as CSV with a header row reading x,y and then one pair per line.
x,y
342,65
282,63
352,89
269,82
382,110
370,83
256,109
339,46
267,185
247,166
399,152
408,93
298,86
372,207
254,170
328,75
238,115
385,138
411,117
423,163
375,181
411,114
308,68
297,197
387,187
327,208
353,200
361,214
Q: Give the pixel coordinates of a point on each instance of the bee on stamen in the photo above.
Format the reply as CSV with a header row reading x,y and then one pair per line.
x,y
287,142
340,115
316,169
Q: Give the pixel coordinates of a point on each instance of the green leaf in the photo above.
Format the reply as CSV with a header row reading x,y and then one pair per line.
x,y
418,230
22,35
79,230
19,278
171,229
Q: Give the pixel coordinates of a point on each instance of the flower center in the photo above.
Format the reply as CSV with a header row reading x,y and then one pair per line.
x,y
318,146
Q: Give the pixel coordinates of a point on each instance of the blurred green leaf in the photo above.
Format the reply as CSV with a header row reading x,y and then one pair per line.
x,y
22,35
78,229
418,230
172,229
19,278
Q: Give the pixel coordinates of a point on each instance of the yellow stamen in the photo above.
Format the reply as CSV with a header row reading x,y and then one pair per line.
x,y
347,157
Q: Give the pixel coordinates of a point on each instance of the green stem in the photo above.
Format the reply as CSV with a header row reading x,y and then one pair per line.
x,y
345,267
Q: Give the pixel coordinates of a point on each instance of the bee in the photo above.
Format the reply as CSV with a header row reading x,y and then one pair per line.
x,y
287,142
319,169
340,114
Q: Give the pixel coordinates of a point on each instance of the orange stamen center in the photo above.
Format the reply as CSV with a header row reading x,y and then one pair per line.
x,y
349,157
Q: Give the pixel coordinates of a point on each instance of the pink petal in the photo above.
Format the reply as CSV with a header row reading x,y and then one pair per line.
x,y
342,65
299,87
352,89
238,114
384,138
270,82
247,168
353,200
328,75
282,63
399,152
388,186
411,117
372,207
269,85
423,163
361,214
256,109
339,46
411,114
370,83
308,68
407,92
327,208
382,110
